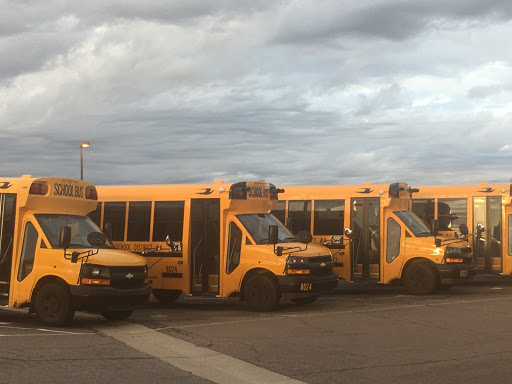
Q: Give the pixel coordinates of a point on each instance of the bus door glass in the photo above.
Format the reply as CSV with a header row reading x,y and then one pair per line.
x,y
7,219
205,245
487,210
365,224
26,263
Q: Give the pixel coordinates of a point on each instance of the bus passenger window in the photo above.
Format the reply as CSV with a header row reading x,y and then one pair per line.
x,y
114,214
28,252
329,217
279,211
451,213
424,209
299,213
393,240
168,220
234,247
139,219
95,215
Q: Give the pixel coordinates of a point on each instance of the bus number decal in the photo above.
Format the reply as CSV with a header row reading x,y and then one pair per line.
x,y
176,247
68,190
171,269
306,287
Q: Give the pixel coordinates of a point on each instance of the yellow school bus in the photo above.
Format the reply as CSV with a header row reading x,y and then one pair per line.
x,y
483,205
215,240
383,241
55,260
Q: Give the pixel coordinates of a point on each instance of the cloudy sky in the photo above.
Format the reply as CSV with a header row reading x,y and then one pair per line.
x,y
290,91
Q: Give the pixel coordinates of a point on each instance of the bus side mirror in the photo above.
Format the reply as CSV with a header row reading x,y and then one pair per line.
x,y
435,228
480,228
65,237
463,228
273,234
74,257
107,230
348,232
168,241
97,239
304,237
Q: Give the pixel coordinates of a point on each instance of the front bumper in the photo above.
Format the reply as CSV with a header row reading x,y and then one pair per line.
x,y
456,273
100,299
295,286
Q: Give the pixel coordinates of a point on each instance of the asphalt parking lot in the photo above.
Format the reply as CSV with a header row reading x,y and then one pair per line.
x,y
357,335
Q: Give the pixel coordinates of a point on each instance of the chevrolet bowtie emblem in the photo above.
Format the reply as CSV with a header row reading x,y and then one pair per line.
x,y
129,275
322,265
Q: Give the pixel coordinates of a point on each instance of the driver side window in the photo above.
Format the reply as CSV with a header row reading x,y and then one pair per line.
x,y
234,247
28,252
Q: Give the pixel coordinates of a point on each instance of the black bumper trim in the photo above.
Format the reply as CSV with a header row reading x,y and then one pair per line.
x,y
292,286
99,299
454,273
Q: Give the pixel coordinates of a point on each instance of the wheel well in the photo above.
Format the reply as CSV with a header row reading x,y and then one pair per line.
x,y
416,260
43,281
253,272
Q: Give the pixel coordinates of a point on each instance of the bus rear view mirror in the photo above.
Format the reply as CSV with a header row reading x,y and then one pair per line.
x,y
304,237
65,237
348,232
463,228
273,234
97,239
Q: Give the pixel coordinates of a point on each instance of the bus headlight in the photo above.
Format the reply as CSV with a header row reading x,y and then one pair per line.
x,y
296,260
453,255
95,275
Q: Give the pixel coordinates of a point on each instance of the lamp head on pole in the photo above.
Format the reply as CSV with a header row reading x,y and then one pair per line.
x,y
85,144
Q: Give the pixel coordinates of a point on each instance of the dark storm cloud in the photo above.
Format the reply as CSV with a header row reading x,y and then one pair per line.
x,y
394,20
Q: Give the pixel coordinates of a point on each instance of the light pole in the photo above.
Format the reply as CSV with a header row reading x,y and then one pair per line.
x,y
83,144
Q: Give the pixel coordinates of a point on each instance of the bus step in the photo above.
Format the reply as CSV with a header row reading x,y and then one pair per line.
x,y
4,294
4,282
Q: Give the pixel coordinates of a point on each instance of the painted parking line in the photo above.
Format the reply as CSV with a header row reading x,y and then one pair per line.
x,y
203,362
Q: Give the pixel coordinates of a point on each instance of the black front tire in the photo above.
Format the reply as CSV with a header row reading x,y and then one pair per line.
x,y
261,293
53,304
420,279
116,315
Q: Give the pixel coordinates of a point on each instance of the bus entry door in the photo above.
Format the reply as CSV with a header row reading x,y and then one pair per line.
x,y
7,218
205,246
365,249
488,248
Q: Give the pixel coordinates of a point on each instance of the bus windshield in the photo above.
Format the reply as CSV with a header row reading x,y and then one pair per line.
x,y
414,224
81,226
257,225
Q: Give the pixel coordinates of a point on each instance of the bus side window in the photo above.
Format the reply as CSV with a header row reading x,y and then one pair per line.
x,y
95,215
329,217
451,213
300,214
139,220
279,211
168,220
424,209
115,214
234,247
28,252
393,240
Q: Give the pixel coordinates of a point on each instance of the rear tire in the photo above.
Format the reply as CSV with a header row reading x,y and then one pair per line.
x,y
53,304
166,296
261,293
305,300
116,315
420,279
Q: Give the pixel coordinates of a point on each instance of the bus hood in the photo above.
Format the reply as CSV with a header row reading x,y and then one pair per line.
x,y
301,249
116,257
